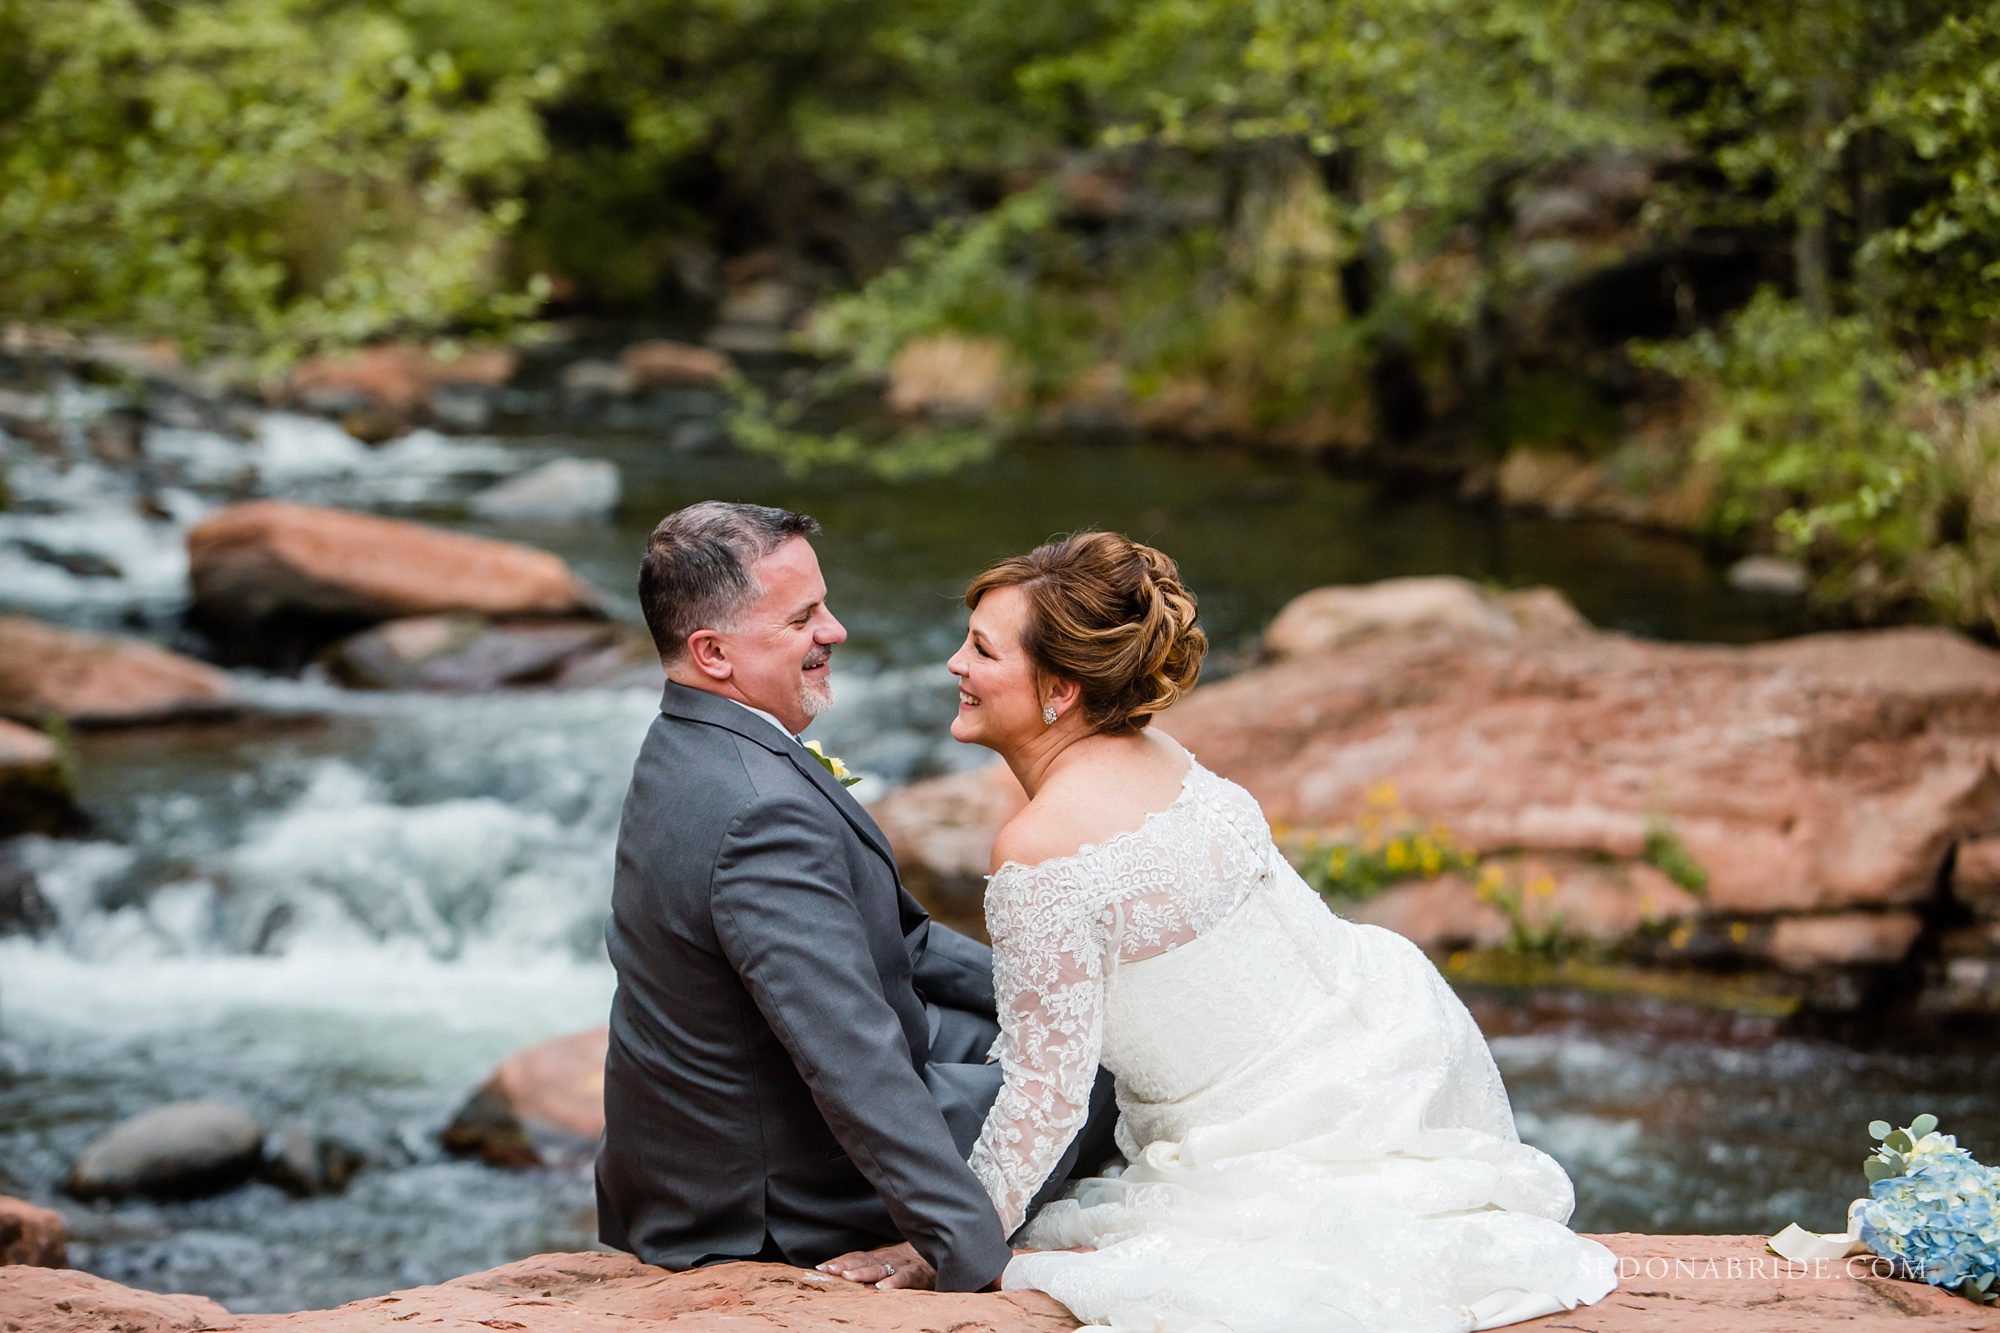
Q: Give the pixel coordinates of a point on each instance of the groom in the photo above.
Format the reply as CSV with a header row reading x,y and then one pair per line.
x,y
796,1066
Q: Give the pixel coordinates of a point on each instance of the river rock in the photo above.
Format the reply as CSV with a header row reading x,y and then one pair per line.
x,y
268,565
660,364
399,378
948,375
1818,784
303,1163
1667,1284
1768,575
35,797
543,1105
181,1150
103,679
584,381
563,490
468,654
32,1236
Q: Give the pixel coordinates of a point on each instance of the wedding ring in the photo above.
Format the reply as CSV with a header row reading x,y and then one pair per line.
x,y
888,1268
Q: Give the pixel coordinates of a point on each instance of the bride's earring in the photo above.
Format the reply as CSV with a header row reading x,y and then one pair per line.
x,y
1048,715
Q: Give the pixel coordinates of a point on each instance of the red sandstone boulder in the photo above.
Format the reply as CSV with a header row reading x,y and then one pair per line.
x,y
273,560
52,1300
544,1104
102,679
398,377
31,1236
946,375
660,364
1328,618
466,654
1820,783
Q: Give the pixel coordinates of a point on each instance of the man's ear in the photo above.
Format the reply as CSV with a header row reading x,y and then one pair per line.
x,y
706,654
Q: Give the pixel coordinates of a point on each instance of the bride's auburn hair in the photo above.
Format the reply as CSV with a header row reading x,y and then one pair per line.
x,y
1111,615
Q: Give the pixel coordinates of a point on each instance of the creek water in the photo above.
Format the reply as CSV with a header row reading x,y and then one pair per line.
x,y
343,913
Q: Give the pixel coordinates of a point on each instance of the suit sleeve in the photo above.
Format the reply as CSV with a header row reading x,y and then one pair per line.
x,y
955,970
786,920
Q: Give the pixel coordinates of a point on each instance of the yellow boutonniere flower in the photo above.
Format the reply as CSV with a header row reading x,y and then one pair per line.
x,y
832,764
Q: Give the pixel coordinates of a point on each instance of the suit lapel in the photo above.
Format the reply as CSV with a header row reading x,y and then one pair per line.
x,y
850,809
700,706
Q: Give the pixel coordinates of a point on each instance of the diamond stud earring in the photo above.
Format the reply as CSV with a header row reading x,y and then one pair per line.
x,y
1048,715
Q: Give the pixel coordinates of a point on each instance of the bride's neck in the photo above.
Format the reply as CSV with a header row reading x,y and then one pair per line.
x,y
1041,758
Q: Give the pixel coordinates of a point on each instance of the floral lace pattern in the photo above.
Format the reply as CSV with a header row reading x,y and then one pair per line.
x,y
1315,1132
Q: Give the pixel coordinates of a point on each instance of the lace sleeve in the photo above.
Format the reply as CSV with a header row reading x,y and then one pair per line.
x,y
1049,948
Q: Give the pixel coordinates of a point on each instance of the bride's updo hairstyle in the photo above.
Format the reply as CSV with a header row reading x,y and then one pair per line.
x,y
1111,615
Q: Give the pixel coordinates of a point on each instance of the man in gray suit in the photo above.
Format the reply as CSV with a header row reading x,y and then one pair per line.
x,y
796,1067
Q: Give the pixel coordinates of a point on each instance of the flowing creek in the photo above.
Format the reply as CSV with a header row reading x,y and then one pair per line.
x,y
343,915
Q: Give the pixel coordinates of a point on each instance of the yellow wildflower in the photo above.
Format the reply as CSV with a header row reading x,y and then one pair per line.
x,y
1457,961
1739,931
1542,886
1397,857
1382,795
1682,934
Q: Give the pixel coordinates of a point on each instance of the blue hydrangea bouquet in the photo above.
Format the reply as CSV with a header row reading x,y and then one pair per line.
x,y
1932,1211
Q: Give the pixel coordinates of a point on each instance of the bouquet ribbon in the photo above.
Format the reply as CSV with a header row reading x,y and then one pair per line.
x,y
1802,1246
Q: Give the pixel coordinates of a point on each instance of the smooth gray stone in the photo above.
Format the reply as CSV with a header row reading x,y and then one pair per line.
x,y
180,1150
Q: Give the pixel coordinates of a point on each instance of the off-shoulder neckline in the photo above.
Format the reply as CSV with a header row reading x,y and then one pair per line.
x,y
1091,848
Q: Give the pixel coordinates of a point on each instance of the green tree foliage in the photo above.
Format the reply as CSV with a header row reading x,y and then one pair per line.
x,y
1302,216
257,173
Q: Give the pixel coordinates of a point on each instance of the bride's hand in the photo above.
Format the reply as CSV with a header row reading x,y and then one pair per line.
x,y
889,1268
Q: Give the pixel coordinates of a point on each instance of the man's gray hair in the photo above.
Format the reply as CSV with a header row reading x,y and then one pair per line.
x,y
696,571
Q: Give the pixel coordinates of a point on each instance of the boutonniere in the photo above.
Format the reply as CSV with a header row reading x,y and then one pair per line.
x,y
831,764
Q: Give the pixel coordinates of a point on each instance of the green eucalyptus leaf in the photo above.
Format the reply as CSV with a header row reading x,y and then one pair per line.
x,y
1923,1124
1878,1129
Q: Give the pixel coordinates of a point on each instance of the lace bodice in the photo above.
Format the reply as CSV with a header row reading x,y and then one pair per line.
x,y
1061,927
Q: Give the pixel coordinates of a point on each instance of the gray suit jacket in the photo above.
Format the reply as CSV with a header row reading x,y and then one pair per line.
x,y
767,1093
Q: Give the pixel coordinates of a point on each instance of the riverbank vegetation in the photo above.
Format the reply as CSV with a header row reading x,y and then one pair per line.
x,y
1732,268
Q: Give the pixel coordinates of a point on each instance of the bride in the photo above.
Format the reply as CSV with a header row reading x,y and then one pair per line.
x,y
1314,1132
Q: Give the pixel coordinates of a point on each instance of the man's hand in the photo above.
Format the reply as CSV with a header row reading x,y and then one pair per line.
x,y
888,1268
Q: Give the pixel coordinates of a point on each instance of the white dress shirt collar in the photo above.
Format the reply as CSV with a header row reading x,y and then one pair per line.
x,y
785,730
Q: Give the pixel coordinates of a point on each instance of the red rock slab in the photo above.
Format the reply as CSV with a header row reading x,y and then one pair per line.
x,y
102,679
543,1104
271,558
31,1235
589,1293
1732,1284
62,1300
1700,1284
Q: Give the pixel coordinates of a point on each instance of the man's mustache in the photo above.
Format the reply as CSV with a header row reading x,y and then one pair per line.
x,y
818,659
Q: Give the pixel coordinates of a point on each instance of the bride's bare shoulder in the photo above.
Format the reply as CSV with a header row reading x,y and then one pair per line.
x,y
1038,832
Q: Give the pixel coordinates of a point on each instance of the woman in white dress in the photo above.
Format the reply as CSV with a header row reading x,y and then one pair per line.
x,y
1316,1137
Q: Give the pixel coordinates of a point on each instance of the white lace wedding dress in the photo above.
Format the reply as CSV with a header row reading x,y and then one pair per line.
x,y
1316,1137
